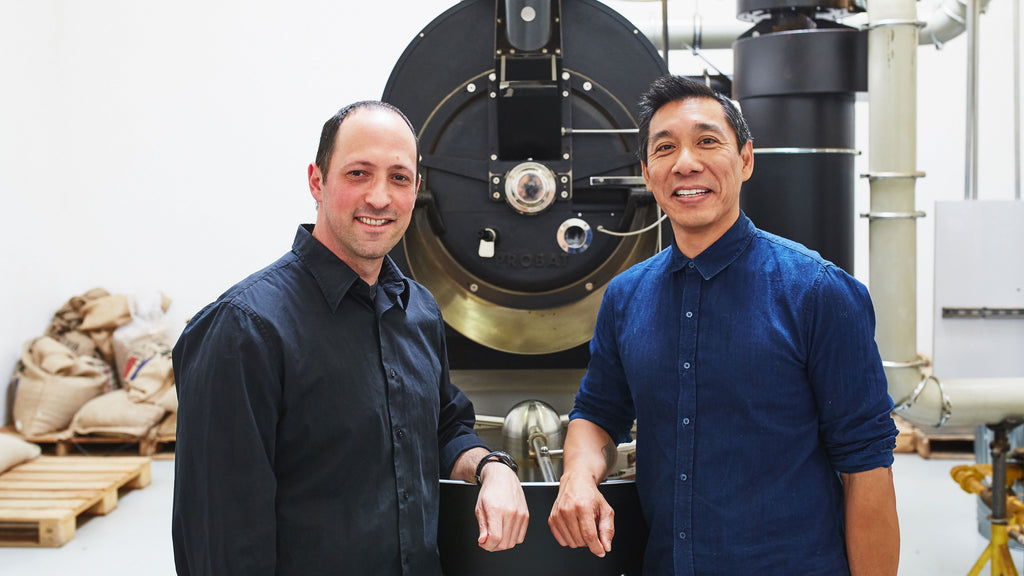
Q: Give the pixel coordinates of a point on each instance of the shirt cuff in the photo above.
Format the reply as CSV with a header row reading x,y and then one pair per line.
x,y
450,452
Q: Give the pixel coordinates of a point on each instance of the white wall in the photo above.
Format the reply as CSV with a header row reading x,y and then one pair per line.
x,y
149,144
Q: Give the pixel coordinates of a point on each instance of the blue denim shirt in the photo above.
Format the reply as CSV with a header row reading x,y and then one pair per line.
x,y
314,420
754,378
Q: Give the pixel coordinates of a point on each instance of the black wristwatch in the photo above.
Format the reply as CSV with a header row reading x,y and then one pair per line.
x,y
496,456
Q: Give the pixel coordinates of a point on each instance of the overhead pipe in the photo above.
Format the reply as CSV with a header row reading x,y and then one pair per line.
x,y
948,21
971,148
1016,100
944,23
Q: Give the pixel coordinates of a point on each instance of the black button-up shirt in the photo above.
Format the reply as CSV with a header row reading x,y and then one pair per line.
x,y
315,417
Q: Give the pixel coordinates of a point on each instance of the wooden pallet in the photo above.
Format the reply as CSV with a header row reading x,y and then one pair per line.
x,y
949,444
42,501
905,438
157,443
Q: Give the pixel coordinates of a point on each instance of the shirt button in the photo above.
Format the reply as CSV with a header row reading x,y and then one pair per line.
x,y
400,433
682,535
686,421
689,314
686,365
392,373
682,477
405,495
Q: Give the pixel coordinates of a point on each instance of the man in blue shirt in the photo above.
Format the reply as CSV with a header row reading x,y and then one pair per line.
x,y
763,435
316,412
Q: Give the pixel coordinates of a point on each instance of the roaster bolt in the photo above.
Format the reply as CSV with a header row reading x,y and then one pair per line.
x,y
565,156
589,286
565,75
496,180
493,95
494,156
473,287
496,195
492,77
565,194
471,88
587,86
565,179
565,93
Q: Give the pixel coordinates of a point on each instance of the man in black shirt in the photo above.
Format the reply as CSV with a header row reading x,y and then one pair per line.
x,y
316,412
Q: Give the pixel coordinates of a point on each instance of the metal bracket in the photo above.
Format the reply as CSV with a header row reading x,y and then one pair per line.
x,y
617,181
916,363
893,215
894,22
791,150
891,175
947,405
1008,313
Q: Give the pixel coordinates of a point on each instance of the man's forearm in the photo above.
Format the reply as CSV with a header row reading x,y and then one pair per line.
x,y
872,527
588,450
465,465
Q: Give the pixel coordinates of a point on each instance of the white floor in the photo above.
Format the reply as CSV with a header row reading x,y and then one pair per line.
x,y
937,521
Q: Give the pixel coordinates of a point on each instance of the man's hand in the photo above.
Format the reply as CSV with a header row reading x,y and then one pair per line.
x,y
501,508
581,516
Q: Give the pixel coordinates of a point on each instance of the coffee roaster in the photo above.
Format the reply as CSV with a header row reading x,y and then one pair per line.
x,y
526,118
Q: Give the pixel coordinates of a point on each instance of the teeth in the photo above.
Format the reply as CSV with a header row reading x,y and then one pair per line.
x,y
372,221
690,193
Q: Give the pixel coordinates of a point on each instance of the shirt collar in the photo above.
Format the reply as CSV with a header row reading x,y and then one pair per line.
x,y
721,253
335,278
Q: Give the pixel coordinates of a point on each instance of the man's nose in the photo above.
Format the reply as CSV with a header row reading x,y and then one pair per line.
x,y
687,161
378,195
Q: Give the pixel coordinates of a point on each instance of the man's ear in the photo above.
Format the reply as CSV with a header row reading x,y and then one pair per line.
x,y
747,155
316,183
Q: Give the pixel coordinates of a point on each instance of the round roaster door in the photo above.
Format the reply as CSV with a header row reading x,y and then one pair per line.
x,y
526,118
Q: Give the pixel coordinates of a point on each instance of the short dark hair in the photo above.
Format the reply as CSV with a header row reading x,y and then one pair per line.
x,y
330,132
673,88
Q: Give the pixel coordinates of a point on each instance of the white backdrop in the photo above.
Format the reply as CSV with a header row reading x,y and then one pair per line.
x,y
163,145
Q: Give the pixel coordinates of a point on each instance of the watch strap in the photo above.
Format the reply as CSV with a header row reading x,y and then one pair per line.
x,y
496,456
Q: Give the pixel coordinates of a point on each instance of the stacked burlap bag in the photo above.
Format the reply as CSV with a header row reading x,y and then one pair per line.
x,y
66,382
141,350
51,383
14,451
86,323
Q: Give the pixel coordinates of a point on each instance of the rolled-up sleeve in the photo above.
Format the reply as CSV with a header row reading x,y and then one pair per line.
x,y
847,377
604,397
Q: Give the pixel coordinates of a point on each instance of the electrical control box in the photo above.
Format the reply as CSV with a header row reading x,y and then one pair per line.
x,y
979,289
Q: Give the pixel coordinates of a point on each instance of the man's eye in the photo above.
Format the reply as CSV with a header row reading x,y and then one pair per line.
x,y
356,173
663,147
708,140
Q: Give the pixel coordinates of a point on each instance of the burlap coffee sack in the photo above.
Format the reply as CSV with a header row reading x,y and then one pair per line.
x,y
51,384
114,414
100,317
148,371
14,451
168,399
66,323
168,426
149,324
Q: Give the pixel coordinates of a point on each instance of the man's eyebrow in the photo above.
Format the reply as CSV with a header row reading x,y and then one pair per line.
x,y
660,134
368,164
709,127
